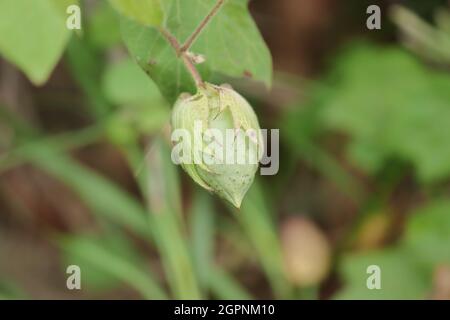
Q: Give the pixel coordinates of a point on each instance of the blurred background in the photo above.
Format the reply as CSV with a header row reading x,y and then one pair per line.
x,y
364,119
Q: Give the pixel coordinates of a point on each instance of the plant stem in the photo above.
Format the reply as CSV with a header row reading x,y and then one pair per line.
x,y
186,59
181,50
171,38
192,70
185,47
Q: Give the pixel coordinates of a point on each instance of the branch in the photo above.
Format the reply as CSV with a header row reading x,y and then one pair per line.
x,y
181,50
185,47
192,70
183,55
171,38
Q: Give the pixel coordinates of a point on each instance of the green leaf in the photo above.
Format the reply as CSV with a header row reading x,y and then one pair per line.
x,y
392,107
103,28
400,277
124,83
158,59
302,127
428,233
142,108
86,66
407,269
231,44
146,12
34,35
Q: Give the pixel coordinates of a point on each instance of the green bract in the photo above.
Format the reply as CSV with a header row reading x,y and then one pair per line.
x,y
221,140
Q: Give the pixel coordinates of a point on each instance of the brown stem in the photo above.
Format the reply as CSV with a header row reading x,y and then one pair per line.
x,y
192,70
171,39
186,59
185,47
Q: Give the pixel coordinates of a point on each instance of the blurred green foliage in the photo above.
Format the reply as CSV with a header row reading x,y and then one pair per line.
x,y
392,107
407,268
35,53
389,104
167,240
146,12
107,260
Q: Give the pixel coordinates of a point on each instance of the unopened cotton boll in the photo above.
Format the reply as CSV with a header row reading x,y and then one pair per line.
x,y
306,252
219,140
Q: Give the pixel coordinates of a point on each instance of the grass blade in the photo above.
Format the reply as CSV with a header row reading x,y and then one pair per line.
x,y
96,254
257,225
102,196
164,200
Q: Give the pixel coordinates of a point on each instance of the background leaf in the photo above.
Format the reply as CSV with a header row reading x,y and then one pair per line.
x,y
146,12
392,107
401,278
124,83
103,27
34,35
407,268
142,109
427,233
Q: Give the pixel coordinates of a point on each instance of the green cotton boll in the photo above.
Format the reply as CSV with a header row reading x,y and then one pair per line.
x,y
219,140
